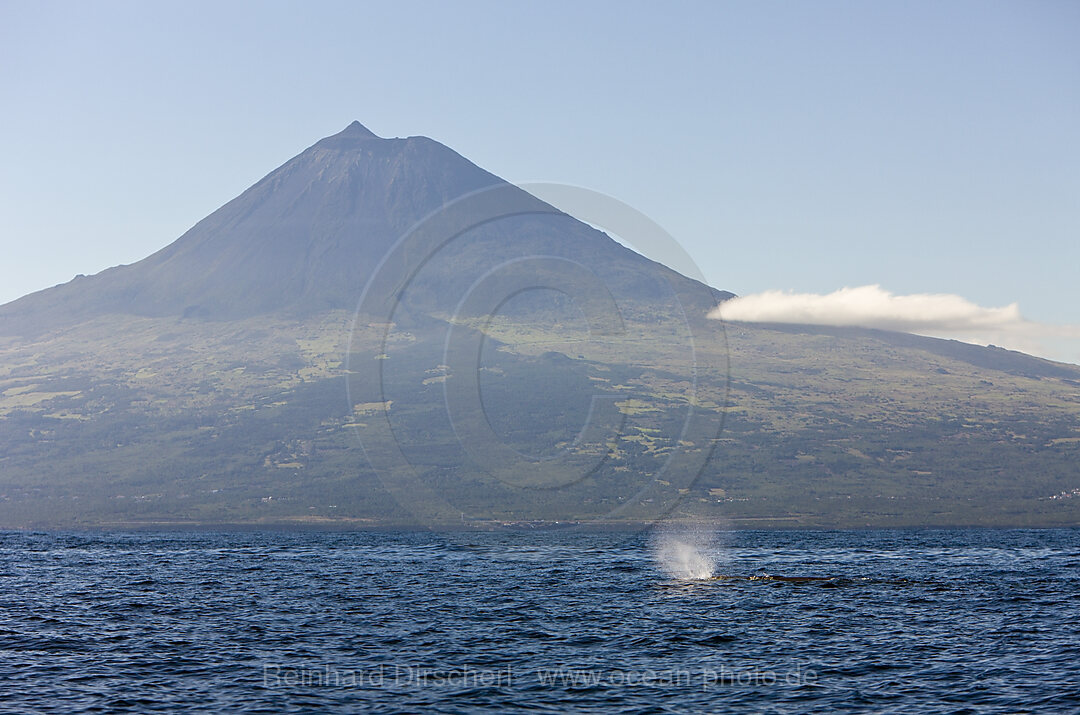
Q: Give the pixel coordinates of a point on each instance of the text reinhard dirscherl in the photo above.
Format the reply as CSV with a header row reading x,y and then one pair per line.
x,y
414,676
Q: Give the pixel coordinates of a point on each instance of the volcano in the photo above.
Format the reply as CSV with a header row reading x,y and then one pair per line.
x,y
307,238
380,333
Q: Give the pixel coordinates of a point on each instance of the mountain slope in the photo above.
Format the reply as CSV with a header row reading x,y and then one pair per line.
x,y
380,332
308,236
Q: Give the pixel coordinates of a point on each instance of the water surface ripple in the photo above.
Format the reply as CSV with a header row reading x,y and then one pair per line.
x,y
906,621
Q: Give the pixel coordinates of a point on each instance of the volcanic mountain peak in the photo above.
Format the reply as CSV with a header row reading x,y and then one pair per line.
x,y
227,378
351,137
356,129
308,236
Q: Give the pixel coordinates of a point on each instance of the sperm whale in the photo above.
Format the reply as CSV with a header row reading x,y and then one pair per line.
x,y
769,577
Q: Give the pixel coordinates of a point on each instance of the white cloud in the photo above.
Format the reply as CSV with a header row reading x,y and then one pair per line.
x,y
935,314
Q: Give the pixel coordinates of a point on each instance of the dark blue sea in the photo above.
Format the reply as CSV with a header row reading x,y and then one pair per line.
x,y
965,621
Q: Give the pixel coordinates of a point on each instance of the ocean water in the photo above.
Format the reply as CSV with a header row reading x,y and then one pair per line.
x,y
964,621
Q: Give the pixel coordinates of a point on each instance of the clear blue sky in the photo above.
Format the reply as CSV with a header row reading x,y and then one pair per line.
x,y
924,146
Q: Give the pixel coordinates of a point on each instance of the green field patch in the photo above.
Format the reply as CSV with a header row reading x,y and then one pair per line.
x,y
649,444
66,415
635,407
32,399
372,408
11,392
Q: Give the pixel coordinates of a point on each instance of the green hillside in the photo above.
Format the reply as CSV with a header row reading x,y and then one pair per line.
x,y
380,333
253,422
